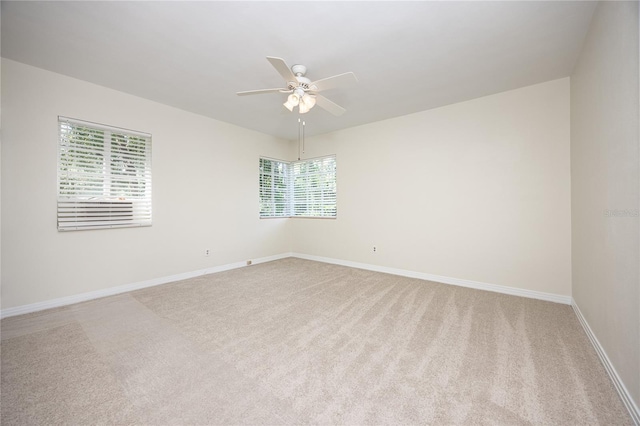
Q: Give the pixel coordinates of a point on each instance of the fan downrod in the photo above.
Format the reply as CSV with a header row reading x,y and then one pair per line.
x,y
299,70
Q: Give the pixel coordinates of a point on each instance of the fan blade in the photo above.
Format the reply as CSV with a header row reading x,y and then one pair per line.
x,y
261,91
335,81
283,69
330,106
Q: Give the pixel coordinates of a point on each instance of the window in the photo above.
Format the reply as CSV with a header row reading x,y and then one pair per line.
x,y
104,176
314,187
305,188
274,188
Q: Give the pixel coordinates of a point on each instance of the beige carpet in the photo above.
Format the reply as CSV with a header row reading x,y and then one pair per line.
x,y
298,342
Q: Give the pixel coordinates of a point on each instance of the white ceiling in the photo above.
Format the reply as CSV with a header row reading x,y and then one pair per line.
x,y
408,56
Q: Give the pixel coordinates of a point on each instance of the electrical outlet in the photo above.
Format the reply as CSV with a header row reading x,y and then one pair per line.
x,y
375,249
207,252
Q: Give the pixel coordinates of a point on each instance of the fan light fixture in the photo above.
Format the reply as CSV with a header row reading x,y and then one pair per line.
x,y
300,99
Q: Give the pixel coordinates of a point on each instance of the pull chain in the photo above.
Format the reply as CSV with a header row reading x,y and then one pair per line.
x,y
301,125
299,139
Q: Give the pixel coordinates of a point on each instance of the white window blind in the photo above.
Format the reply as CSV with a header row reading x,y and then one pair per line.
x,y
314,187
104,176
305,188
274,188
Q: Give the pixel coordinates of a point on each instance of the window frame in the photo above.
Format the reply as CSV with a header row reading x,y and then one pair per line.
x,y
293,197
104,177
271,203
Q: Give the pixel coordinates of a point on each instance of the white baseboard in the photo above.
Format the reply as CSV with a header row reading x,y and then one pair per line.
x,y
83,297
550,297
63,301
626,397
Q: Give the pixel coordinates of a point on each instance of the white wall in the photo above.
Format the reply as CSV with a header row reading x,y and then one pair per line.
x,y
605,166
478,190
205,191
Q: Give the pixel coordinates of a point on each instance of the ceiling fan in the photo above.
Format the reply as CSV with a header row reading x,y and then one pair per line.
x,y
303,92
